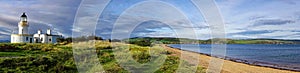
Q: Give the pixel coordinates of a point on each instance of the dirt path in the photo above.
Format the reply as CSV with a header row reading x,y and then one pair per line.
x,y
228,66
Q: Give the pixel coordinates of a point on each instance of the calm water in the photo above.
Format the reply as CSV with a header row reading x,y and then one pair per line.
x,y
272,55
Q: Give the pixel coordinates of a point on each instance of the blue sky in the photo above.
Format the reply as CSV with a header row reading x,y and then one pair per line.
x,y
277,19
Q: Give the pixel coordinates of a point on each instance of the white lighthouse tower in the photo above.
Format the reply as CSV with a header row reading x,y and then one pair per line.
x,y
23,24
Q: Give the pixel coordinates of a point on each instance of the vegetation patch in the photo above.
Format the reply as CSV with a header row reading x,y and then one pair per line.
x,y
59,58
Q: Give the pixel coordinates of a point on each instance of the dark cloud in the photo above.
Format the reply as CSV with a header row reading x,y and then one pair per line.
x,y
142,28
256,17
8,23
291,2
105,26
272,22
252,32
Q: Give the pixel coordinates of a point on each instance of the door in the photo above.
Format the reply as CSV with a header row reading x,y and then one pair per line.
x,y
30,40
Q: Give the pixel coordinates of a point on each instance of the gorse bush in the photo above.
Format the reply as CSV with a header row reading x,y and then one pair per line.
x,y
50,63
27,46
43,47
142,42
9,47
35,58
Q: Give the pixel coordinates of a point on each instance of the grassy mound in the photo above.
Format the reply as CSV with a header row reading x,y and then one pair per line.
x,y
60,58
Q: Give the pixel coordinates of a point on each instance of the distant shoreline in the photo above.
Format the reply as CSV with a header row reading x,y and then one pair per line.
x,y
235,60
173,40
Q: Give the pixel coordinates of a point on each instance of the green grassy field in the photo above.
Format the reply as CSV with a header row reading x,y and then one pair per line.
x,y
59,58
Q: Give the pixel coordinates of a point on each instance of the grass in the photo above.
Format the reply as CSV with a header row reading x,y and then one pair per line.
x,y
60,58
9,54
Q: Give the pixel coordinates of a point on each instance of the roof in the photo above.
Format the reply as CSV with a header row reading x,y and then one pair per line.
x,y
33,34
47,34
23,34
23,15
52,35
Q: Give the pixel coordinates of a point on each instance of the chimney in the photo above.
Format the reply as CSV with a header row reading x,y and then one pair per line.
x,y
39,31
49,31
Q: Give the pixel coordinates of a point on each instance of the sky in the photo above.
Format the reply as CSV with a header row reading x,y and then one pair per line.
x,y
243,19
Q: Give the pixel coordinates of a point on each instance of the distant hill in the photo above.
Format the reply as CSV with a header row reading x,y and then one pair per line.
x,y
261,41
4,41
171,40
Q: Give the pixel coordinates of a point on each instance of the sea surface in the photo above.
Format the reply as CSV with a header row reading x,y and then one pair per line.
x,y
281,56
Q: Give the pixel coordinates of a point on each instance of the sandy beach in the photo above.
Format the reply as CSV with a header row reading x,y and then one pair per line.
x,y
228,66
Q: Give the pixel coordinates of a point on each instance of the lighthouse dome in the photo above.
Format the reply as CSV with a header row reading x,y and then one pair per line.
x,y
23,15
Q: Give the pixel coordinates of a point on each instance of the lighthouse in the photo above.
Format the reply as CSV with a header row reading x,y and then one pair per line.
x,y
25,37
23,24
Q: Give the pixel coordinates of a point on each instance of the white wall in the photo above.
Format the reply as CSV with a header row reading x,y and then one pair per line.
x,y
23,29
44,38
53,39
17,38
21,39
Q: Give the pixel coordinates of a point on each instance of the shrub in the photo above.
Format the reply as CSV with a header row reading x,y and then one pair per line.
x,y
142,42
9,47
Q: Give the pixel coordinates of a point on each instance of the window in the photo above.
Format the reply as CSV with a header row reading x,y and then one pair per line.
x,y
50,40
26,38
41,39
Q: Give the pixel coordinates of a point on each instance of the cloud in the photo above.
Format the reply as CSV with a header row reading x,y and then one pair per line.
x,y
272,22
279,33
57,15
244,19
251,32
252,19
153,17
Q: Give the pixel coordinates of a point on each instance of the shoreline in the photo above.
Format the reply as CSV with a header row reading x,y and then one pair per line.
x,y
264,66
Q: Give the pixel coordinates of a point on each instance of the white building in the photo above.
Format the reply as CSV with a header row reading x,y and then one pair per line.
x,y
24,37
